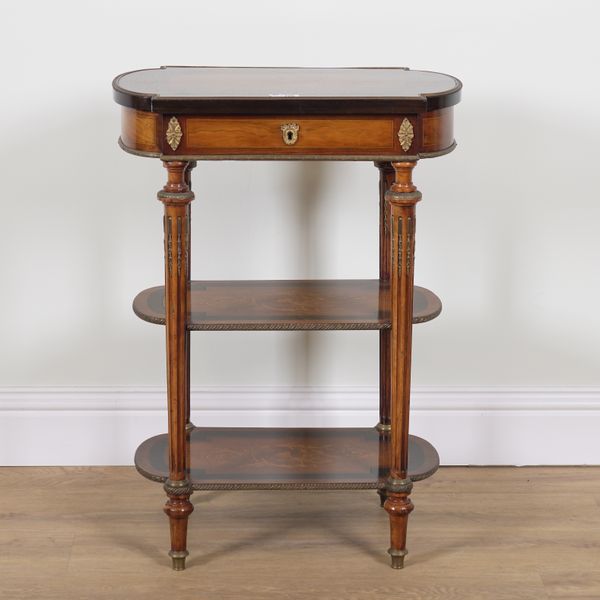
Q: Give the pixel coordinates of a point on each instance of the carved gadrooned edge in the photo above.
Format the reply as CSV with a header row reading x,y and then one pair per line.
x,y
154,320
336,157
228,486
429,317
224,485
150,476
287,327
261,327
286,486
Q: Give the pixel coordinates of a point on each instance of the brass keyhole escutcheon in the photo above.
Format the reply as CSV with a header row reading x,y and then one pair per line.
x,y
290,133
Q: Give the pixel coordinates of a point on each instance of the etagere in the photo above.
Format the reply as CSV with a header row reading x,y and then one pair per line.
x,y
393,117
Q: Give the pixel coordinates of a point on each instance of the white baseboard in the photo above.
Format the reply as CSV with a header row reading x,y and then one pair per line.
x,y
468,425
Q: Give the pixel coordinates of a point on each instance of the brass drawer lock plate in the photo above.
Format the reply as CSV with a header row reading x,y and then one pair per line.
x,y
290,133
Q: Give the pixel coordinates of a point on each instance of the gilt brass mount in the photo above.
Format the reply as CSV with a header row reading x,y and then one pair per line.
x,y
406,134
174,133
289,132
398,486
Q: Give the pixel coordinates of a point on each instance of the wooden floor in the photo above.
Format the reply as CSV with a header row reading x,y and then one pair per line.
x,y
500,533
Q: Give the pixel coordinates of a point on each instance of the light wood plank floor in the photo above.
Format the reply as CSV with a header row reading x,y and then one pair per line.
x,y
480,533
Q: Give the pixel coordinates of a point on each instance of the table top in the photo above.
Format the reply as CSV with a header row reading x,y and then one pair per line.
x,y
270,90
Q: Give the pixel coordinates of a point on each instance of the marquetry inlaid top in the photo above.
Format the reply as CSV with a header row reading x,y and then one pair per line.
x,y
250,90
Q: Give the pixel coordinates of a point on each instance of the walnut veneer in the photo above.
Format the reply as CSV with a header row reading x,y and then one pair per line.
x,y
287,305
391,116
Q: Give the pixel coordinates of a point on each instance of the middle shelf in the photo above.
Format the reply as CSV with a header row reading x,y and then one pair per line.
x,y
320,304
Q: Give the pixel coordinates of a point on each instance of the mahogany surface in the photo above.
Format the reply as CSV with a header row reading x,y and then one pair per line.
x,y
386,178
393,117
356,137
214,113
287,305
268,90
285,458
401,199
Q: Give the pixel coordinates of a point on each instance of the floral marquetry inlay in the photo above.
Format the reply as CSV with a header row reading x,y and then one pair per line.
x,y
406,134
174,133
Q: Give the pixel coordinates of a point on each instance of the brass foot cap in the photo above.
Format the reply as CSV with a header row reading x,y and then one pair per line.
x,y
178,559
397,558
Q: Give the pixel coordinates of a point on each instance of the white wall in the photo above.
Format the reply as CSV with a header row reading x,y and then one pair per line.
x,y
507,230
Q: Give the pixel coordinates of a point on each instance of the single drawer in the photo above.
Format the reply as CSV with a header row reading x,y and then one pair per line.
x,y
287,135
343,138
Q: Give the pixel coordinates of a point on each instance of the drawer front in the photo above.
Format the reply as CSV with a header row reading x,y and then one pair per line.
x,y
203,135
346,138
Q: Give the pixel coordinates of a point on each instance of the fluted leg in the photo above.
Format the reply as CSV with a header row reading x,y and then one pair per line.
x,y
386,178
176,197
401,198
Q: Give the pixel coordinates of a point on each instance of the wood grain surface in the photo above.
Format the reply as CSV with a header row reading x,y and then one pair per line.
x,y
288,305
477,534
176,197
140,130
280,458
205,135
267,90
386,178
327,137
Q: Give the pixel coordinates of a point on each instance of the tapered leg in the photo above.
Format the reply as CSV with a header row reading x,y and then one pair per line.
x,y
386,178
401,198
176,197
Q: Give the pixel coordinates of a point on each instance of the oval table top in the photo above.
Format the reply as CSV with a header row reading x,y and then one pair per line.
x,y
275,90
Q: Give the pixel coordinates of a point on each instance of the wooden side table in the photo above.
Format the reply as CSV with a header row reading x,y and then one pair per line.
x,y
392,117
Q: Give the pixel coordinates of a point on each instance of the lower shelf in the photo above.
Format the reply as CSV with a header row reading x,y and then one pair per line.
x,y
286,458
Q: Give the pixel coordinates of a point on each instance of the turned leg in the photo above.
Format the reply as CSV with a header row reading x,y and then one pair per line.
x,y
386,178
401,198
176,197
